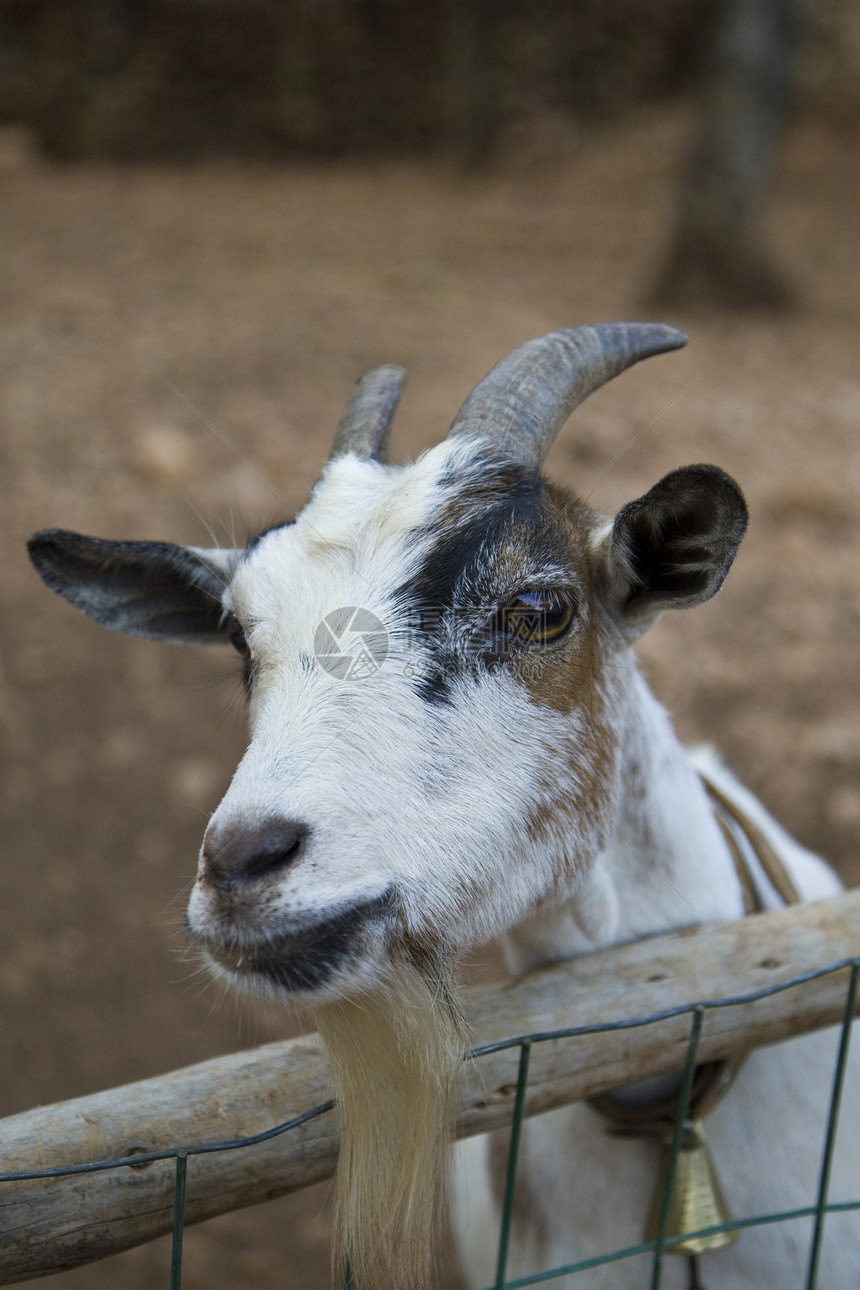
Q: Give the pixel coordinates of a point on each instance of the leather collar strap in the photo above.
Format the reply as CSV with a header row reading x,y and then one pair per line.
x,y
712,1079
733,821
655,1118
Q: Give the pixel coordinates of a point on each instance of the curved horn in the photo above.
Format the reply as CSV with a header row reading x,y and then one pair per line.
x,y
527,397
363,428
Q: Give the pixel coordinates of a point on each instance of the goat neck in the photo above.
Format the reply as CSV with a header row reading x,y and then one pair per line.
x,y
664,864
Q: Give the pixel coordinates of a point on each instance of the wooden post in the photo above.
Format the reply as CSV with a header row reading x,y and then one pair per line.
x,y
718,254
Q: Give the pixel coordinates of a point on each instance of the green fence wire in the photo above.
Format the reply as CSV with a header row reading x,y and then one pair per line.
x,y
524,1043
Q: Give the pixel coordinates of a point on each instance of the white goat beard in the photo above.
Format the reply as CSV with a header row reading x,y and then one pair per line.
x,y
396,1056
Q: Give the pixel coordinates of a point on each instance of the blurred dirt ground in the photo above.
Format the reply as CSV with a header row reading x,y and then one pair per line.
x,y
176,347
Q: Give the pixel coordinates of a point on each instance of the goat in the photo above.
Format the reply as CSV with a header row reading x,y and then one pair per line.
x,y
498,767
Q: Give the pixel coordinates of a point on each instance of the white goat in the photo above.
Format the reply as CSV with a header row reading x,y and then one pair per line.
x,y
500,766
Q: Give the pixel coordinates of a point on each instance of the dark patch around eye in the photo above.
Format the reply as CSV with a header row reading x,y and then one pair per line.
x,y
517,500
434,684
508,502
236,634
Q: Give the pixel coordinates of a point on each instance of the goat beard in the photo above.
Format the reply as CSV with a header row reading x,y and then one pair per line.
x,y
396,1055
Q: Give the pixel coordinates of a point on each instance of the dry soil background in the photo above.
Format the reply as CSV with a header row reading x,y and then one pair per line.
x,y
176,347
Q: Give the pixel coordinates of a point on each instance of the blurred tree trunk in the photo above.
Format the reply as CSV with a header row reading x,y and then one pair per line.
x,y
718,255
475,33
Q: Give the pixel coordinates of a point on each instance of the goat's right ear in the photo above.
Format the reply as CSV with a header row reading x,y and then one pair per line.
x,y
151,589
672,548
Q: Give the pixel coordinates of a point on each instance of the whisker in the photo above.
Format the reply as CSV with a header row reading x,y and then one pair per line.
x,y
641,856
648,425
210,425
342,555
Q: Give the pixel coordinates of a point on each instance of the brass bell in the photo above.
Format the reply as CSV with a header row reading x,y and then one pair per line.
x,y
697,1199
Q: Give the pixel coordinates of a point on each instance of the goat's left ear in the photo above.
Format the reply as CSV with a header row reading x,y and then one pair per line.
x,y
151,589
672,548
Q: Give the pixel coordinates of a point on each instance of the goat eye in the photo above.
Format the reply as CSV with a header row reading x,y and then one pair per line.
x,y
237,636
535,617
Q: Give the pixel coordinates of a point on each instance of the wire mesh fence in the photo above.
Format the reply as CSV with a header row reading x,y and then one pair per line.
x,y
662,1241
524,1045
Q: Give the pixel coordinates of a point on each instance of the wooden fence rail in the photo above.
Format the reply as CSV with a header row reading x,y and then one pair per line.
x,y
50,1224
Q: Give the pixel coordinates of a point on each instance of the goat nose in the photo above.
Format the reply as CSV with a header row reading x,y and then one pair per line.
x,y
241,852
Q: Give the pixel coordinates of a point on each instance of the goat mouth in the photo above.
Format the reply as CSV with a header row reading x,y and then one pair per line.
x,y
304,958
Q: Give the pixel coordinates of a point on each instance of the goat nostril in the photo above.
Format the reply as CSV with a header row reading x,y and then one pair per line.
x,y
246,854
275,852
